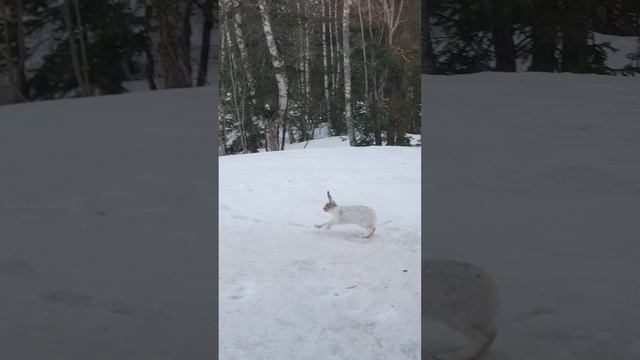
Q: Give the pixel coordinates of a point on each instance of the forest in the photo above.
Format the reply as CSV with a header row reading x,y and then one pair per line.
x,y
293,70
466,36
74,48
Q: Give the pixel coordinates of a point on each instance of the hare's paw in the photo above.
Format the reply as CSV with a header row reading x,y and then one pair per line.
x,y
318,226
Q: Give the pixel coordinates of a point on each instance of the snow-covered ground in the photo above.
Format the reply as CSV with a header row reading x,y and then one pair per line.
x,y
291,291
537,178
107,227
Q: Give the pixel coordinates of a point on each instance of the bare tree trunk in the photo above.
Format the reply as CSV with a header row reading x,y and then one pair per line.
x,y
332,54
186,40
364,54
222,90
244,54
21,77
75,61
14,63
169,39
307,73
372,58
575,35
83,45
544,36
338,45
302,83
427,43
236,87
280,76
207,27
150,72
346,51
324,64
391,17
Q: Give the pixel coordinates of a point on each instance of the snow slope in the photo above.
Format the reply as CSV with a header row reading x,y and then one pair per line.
x,y
107,232
291,291
537,178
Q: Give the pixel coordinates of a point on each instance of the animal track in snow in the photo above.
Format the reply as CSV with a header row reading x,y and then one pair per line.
x,y
239,292
297,225
18,268
80,300
246,218
529,315
69,298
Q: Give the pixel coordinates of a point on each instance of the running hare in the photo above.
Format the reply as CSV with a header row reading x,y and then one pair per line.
x,y
464,297
356,214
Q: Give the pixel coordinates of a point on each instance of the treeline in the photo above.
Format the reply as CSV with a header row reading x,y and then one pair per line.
x,y
54,49
464,36
292,70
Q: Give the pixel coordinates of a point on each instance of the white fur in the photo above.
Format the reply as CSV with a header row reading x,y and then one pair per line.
x,y
358,214
464,297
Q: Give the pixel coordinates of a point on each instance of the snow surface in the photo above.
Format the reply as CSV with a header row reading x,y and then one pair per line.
x,y
107,227
536,177
291,291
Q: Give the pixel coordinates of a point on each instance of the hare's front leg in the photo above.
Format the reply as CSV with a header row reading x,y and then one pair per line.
x,y
326,225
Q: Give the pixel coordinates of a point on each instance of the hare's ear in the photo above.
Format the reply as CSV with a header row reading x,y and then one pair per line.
x,y
330,199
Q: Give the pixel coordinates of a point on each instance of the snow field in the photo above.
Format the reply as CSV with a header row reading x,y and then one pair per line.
x,y
289,290
536,178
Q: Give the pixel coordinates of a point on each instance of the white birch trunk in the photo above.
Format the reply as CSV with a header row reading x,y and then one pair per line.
x,y
222,94
75,61
371,57
83,46
364,54
332,54
280,76
307,76
244,55
338,48
324,64
346,50
169,39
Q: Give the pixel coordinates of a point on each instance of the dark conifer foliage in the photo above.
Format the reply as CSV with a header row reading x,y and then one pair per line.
x,y
67,48
464,36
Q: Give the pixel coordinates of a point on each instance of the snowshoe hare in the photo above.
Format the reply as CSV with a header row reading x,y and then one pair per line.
x,y
464,297
358,214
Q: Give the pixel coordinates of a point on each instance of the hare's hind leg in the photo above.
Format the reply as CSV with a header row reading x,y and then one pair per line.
x,y
370,231
480,337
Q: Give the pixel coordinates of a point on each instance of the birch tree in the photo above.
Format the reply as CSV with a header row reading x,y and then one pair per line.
x,y
84,62
278,64
13,30
83,82
208,9
364,53
169,35
244,55
324,65
346,50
